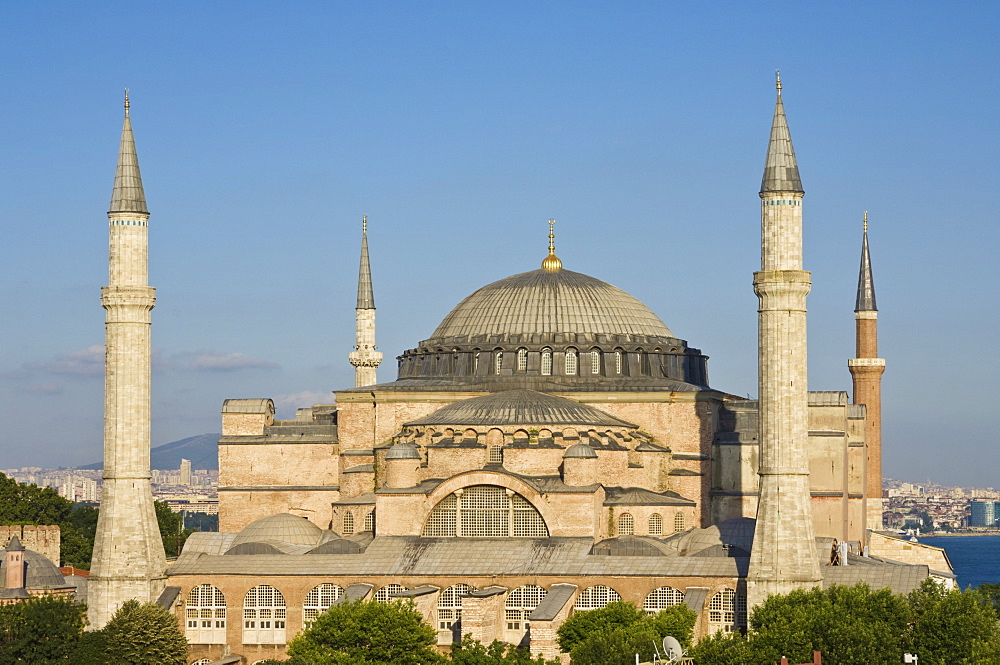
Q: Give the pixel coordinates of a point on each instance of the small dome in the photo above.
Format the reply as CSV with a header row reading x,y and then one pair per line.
x,y
283,527
403,451
737,532
521,407
41,573
580,451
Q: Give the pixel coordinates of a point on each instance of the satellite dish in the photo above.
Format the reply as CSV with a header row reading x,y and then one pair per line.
x,y
672,650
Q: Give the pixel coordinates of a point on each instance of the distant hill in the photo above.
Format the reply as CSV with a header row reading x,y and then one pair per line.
x,y
202,450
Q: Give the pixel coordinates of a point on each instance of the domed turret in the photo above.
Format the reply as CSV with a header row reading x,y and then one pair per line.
x,y
402,462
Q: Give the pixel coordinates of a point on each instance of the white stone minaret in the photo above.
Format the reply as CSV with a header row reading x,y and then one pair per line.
x,y
364,357
128,553
784,554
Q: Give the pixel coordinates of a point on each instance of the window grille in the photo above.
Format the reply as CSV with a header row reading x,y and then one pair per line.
x,y
497,362
475,362
382,595
618,362
319,599
450,608
595,361
369,522
496,454
205,615
662,598
679,522
520,603
596,597
546,362
727,611
655,524
571,362
522,359
626,525
485,511
264,616
348,524
203,661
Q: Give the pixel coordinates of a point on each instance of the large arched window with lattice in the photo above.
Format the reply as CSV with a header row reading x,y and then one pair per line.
x,y
546,362
661,598
572,361
679,522
522,359
320,599
656,524
596,597
626,525
449,612
485,511
205,614
595,361
520,603
727,611
264,616
384,595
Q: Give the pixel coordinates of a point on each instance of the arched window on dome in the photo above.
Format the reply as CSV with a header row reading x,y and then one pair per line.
x,y
595,361
264,616
661,598
522,359
546,361
656,524
497,361
348,524
727,611
205,614
572,361
643,362
679,522
619,361
626,525
475,361
318,600
485,511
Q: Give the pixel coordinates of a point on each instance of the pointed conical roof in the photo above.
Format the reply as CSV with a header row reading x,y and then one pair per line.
x,y
127,195
781,171
366,297
15,545
866,285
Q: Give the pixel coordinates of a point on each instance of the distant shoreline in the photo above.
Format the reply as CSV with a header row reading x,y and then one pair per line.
x,y
964,533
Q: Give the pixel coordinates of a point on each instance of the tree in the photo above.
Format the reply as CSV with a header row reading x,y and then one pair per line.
x,y
951,626
723,649
619,630
40,630
581,625
473,652
172,530
144,634
617,646
356,633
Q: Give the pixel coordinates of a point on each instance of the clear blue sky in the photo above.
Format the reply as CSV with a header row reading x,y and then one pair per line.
x,y
266,130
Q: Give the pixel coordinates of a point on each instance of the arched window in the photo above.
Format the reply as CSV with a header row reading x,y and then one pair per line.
x,y
595,361
206,615
522,359
655,524
619,361
497,361
496,454
348,524
626,525
596,597
643,363
449,612
727,611
572,358
679,522
320,599
521,602
202,661
494,446
546,362
264,616
384,594
475,361
662,598
369,522
485,511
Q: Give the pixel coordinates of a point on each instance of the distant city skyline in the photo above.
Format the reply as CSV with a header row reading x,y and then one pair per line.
x,y
265,135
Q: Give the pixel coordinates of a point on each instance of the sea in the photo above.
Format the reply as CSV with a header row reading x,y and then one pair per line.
x,y
976,559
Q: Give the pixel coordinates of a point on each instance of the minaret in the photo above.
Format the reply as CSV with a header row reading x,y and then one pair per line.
x,y
128,553
784,554
16,573
364,357
866,370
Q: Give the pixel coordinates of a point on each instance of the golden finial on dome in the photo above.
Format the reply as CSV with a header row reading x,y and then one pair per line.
x,y
551,263
866,221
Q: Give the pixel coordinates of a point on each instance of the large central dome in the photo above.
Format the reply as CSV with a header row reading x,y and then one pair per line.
x,y
548,302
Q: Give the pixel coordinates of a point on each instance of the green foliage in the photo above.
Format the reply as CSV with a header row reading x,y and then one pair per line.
x,y
40,630
144,634
617,646
620,630
29,504
952,626
201,522
581,625
722,649
366,632
172,530
473,652
676,621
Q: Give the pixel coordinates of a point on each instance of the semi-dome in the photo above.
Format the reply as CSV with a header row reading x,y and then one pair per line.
x,y
283,527
549,302
520,407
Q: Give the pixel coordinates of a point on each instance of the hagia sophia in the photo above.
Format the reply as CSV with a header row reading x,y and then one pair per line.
x,y
550,447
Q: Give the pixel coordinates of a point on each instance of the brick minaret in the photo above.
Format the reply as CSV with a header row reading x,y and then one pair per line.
x,y
364,357
128,553
784,551
866,370
15,569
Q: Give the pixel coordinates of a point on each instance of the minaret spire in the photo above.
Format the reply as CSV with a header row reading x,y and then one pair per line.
x,y
784,556
128,559
364,357
866,372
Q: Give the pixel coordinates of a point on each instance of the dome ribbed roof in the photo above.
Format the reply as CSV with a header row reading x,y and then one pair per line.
x,y
40,572
283,527
520,407
548,302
